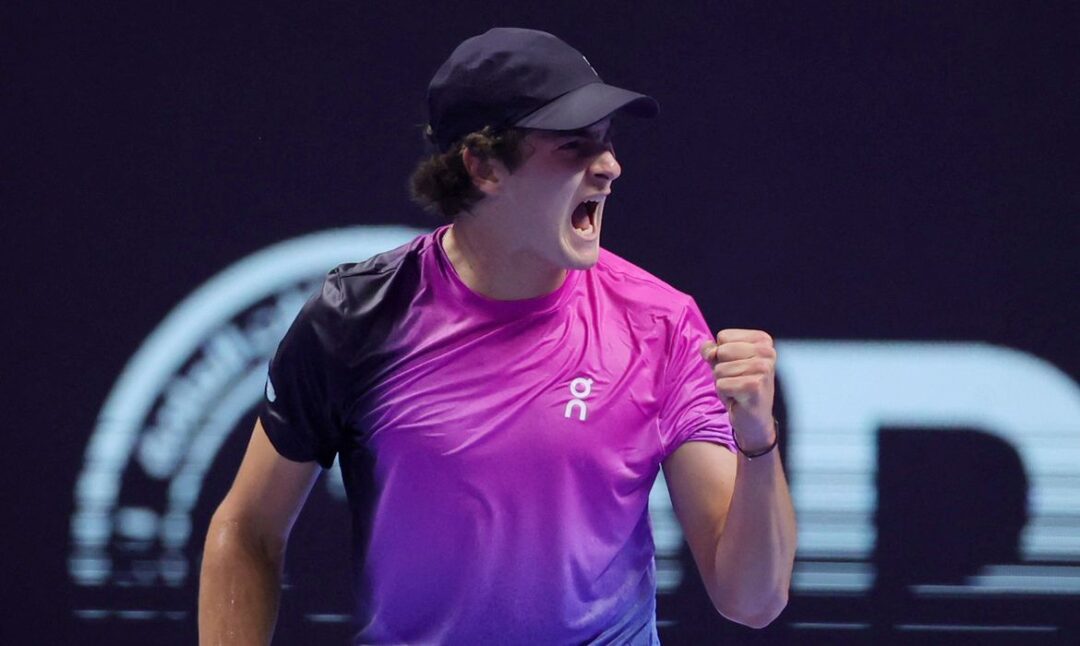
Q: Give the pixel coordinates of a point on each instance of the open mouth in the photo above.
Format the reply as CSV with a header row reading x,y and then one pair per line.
x,y
586,217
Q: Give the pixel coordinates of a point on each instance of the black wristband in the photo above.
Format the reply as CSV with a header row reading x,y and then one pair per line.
x,y
750,455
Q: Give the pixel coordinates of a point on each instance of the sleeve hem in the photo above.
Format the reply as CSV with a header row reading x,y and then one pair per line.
x,y
716,437
285,449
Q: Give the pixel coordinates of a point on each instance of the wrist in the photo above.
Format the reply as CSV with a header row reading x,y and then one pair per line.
x,y
758,450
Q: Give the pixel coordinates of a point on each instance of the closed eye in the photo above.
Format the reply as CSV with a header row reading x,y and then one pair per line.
x,y
584,147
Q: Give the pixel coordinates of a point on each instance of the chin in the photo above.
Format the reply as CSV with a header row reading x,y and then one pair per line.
x,y
579,252
581,259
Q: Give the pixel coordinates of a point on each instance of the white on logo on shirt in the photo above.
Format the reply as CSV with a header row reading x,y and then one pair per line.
x,y
580,388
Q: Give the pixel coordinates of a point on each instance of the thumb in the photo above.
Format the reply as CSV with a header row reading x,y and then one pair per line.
x,y
708,351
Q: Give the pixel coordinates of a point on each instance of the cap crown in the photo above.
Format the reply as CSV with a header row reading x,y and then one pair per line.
x,y
500,77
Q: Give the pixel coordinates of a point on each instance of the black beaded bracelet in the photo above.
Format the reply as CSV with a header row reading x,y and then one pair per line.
x,y
765,451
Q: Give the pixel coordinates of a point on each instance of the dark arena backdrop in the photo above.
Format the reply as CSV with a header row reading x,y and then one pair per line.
x,y
892,189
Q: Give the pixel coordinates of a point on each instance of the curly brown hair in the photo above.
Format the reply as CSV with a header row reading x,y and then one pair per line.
x,y
441,183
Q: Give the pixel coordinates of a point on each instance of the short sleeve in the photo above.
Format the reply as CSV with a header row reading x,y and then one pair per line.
x,y
692,411
302,405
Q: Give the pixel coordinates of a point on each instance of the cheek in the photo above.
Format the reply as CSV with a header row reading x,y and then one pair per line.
x,y
552,202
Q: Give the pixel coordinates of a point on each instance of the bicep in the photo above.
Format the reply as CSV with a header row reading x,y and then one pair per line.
x,y
269,490
701,479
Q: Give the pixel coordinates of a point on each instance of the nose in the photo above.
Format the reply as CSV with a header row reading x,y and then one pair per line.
x,y
605,167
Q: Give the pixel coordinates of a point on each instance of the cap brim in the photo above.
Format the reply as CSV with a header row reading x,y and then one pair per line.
x,y
587,105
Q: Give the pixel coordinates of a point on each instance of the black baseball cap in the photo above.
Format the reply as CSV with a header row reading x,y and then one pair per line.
x,y
522,78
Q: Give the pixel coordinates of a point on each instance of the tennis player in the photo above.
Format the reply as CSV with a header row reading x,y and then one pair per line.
x,y
502,393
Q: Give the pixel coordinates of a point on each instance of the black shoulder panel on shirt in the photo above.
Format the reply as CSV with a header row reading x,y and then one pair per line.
x,y
377,294
334,350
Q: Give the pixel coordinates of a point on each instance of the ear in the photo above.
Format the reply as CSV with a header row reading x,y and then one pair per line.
x,y
485,173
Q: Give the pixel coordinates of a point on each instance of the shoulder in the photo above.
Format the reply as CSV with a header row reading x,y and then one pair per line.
x,y
358,284
348,313
631,283
353,276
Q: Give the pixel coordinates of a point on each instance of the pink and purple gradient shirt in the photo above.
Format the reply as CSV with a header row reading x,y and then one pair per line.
x,y
498,455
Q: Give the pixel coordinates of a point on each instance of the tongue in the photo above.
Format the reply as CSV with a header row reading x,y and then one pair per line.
x,y
580,218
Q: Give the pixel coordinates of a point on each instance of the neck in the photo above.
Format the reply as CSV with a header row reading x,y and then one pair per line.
x,y
491,268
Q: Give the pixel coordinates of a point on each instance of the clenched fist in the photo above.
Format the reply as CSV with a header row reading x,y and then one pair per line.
x,y
744,367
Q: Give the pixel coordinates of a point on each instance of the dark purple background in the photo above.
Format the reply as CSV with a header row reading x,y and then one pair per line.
x,y
845,171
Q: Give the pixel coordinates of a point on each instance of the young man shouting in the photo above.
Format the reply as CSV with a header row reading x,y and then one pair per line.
x,y
501,395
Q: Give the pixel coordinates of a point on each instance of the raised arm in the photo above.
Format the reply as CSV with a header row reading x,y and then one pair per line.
x,y
240,581
736,512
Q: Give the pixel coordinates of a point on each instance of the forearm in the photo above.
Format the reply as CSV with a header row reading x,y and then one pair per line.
x,y
239,586
756,549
